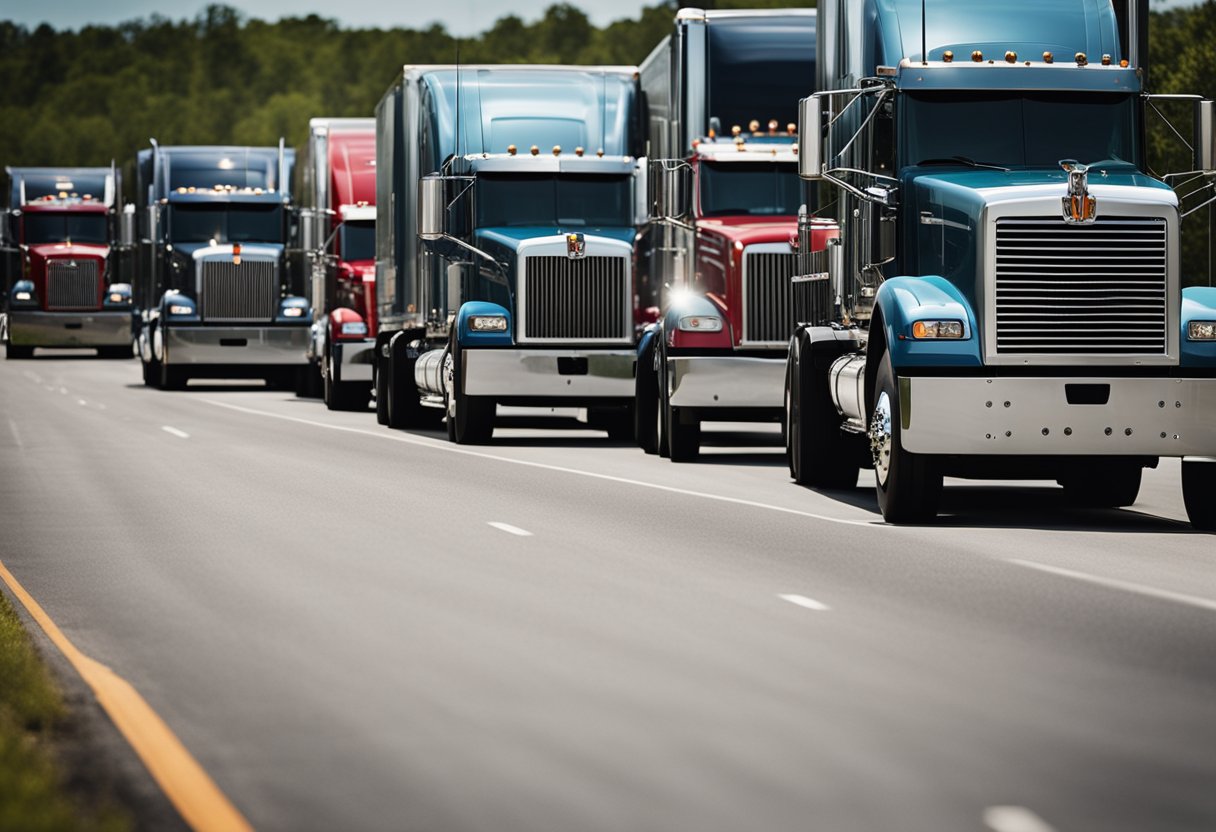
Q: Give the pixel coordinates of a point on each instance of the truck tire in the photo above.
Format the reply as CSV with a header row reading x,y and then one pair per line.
x,y
13,352
470,418
646,400
404,407
618,422
909,485
380,382
662,431
173,378
1199,494
819,454
1103,485
350,395
309,384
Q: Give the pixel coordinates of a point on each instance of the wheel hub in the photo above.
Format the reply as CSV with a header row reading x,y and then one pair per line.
x,y
880,437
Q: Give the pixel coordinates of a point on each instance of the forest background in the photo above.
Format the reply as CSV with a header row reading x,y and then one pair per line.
x,y
89,96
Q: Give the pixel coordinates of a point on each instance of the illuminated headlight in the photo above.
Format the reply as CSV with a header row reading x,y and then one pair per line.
x,y
294,312
23,296
700,323
937,329
354,328
488,323
180,309
1201,331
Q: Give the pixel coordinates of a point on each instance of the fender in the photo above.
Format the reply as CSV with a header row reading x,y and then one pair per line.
x,y
901,301
468,338
1198,304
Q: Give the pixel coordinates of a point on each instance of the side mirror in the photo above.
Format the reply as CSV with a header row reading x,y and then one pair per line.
x,y
1205,136
126,226
432,207
671,183
810,138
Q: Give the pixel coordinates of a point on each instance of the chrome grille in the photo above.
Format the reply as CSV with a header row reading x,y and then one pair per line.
x,y
812,291
768,298
72,284
245,292
1081,289
586,299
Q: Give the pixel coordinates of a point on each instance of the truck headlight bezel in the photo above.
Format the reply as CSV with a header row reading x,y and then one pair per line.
x,y
1201,331
488,323
935,329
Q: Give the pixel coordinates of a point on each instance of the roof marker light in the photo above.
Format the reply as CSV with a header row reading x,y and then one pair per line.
x,y
236,254
578,151
948,56
535,150
600,153
791,129
773,124
557,150
511,149
1049,58
1011,57
753,127
977,56
1106,60
1123,63
735,130
1081,59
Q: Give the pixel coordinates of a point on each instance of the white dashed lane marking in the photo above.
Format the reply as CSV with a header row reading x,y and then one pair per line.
x,y
509,529
180,434
806,603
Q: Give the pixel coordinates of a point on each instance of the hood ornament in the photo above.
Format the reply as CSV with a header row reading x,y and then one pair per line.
x,y
1079,207
576,246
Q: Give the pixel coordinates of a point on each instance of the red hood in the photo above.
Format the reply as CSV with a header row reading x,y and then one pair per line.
x,y
749,230
43,251
363,268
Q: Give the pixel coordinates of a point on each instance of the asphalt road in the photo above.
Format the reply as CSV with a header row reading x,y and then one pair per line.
x,y
356,628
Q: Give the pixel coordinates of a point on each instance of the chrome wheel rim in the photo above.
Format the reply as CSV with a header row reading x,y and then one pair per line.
x,y
880,437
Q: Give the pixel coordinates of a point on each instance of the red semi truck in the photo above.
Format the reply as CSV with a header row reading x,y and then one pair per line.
x,y
338,236
719,252
60,234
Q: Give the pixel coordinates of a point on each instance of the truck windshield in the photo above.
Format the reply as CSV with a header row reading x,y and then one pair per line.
x,y
60,227
357,241
1019,129
226,223
752,188
561,200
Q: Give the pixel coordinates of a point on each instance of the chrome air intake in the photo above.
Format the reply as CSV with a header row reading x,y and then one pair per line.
x,y
582,300
243,292
768,298
72,284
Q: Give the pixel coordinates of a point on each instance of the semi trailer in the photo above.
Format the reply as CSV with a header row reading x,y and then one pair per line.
x,y
1004,299
507,206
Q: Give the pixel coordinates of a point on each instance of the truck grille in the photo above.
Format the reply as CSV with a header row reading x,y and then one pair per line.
x,y
247,292
588,299
813,302
1081,289
768,297
71,286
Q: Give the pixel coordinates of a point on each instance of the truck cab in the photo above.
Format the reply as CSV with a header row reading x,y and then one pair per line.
x,y
64,289
718,253
1005,298
217,296
337,231
508,203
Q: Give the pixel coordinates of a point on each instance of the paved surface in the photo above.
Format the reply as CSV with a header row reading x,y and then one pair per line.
x,y
357,628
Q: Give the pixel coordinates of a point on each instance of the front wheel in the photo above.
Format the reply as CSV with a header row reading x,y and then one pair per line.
x,y
173,378
909,485
470,418
1199,493
646,401
349,395
819,454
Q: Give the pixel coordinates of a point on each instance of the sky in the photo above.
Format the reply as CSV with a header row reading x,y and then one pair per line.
x,y
460,17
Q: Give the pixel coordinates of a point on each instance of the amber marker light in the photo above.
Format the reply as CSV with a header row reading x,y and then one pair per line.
x,y
535,150
1049,58
948,56
236,254
1106,60
1011,57
977,56
557,150
578,151
735,130
1082,60
1123,63
512,150
791,129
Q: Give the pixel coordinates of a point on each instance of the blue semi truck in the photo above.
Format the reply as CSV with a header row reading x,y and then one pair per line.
x,y
217,297
1005,297
508,200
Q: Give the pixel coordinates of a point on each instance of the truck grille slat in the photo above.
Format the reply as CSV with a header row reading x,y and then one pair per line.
x,y
72,284
768,296
236,293
1095,289
585,299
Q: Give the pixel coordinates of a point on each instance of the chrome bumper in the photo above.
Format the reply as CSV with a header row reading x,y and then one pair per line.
x,y
555,374
727,381
229,345
975,416
69,329
353,360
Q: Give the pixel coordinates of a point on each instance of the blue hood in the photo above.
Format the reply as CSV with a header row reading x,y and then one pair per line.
x,y
188,249
511,237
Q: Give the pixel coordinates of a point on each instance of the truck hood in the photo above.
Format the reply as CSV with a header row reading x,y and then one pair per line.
x,y
749,230
45,251
511,238
203,251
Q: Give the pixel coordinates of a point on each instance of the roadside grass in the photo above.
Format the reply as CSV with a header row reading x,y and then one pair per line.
x,y
32,796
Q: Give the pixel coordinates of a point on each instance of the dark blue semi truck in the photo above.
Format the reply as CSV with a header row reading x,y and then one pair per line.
x,y
1005,297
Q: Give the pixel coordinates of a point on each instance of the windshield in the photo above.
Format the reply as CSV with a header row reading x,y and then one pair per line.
x,y
562,200
357,241
59,228
768,189
1019,129
226,224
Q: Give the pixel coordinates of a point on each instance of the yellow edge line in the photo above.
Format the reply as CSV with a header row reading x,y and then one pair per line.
x,y
189,788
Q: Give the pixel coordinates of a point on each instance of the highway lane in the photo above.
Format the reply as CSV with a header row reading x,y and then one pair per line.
x,y
324,613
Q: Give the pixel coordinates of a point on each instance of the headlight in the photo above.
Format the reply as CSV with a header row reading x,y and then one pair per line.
x,y
180,309
488,323
117,297
1201,331
354,328
937,329
701,323
294,312
23,296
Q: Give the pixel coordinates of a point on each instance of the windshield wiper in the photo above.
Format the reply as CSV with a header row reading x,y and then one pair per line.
x,y
962,160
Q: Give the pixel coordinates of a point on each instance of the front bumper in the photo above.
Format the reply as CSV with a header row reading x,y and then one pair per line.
x,y
235,345
353,360
69,329
549,373
1164,417
727,381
